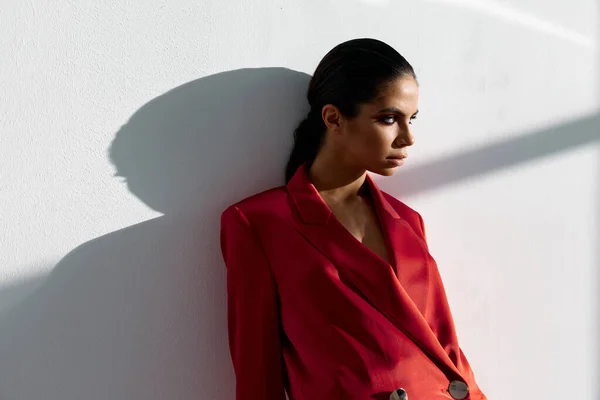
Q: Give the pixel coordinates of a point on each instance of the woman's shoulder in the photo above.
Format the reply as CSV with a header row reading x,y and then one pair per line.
x,y
266,202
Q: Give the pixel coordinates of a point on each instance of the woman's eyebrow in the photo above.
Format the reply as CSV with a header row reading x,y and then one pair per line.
x,y
395,111
390,110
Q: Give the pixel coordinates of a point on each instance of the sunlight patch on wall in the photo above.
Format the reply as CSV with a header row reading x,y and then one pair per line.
x,y
515,16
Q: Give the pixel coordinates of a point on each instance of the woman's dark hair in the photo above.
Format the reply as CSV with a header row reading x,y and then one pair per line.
x,y
351,73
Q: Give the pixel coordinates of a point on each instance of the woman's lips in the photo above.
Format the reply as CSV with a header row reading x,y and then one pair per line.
x,y
397,161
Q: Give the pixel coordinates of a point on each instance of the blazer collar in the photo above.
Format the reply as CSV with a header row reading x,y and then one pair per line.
x,y
312,207
375,279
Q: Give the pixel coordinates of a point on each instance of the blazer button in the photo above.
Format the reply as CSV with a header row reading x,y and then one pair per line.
x,y
399,394
458,390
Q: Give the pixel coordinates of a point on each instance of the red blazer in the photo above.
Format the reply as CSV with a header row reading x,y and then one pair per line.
x,y
313,311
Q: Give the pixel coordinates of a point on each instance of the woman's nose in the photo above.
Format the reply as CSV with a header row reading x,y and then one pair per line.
x,y
405,138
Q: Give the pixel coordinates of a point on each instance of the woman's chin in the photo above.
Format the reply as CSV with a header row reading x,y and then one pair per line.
x,y
385,171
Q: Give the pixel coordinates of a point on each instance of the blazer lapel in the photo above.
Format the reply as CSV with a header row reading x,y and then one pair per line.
x,y
372,275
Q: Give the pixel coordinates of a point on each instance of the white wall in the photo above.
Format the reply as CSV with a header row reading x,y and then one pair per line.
x,y
113,288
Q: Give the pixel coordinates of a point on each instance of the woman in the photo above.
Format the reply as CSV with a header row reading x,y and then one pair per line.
x,y
332,292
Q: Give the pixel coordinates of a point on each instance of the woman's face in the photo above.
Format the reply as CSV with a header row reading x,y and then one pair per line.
x,y
377,139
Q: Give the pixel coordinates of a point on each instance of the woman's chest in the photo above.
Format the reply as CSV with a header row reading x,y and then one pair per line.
x,y
361,222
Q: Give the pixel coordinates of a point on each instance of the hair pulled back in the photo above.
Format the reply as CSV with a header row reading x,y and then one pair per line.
x,y
351,73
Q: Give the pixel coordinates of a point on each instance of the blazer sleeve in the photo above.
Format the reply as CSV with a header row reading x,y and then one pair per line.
x,y
252,311
444,327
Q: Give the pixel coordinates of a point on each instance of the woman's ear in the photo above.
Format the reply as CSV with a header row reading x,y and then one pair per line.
x,y
332,117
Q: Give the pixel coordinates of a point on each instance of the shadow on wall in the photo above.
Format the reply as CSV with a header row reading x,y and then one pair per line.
x,y
500,155
140,313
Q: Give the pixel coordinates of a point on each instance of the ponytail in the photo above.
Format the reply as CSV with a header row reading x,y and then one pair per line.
x,y
308,138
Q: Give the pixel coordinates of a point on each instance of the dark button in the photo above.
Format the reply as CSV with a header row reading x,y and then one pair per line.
x,y
458,390
399,394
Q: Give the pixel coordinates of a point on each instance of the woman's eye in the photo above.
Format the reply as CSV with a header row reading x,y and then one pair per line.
x,y
390,119
412,119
